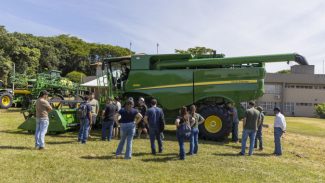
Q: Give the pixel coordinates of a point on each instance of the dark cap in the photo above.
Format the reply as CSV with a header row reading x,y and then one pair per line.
x,y
252,103
276,109
42,93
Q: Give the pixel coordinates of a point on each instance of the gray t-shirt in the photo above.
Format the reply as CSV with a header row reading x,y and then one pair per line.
x,y
251,116
94,106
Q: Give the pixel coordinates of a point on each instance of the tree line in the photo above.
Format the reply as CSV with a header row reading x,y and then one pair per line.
x,y
34,54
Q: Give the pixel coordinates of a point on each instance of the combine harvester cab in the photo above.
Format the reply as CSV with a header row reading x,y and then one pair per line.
x,y
208,81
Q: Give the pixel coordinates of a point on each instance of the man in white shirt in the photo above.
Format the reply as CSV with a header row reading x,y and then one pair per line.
x,y
279,128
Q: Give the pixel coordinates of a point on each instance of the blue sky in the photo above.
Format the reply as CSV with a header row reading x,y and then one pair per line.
x,y
233,27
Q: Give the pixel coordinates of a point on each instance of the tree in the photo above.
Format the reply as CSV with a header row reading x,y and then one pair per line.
x,y
320,110
196,51
76,76
5,67
284,71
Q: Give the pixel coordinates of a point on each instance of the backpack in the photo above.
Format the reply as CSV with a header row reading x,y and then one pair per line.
x,y
82,111
184,129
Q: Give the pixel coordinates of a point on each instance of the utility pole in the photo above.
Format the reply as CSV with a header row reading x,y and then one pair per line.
x,y
323,66
157,47
130,48
14,73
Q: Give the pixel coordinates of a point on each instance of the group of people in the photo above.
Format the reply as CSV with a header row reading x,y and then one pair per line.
x,y
125,120
252,129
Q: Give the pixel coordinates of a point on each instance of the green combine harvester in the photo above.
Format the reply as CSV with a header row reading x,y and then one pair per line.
x,y
64,98
176,80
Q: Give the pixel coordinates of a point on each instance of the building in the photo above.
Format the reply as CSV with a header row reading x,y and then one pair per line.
x,y
296,93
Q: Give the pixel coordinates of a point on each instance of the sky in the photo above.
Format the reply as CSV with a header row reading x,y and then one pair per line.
x,y
232,27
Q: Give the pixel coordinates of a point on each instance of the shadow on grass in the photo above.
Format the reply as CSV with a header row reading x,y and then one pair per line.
x,y
95,157
161,159
16,147
20,132
226,154
62,142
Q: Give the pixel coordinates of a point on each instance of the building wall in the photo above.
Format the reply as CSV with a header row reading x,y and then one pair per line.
x,y
296,93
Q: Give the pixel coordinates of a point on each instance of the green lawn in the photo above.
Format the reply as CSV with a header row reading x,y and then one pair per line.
x,y
67,161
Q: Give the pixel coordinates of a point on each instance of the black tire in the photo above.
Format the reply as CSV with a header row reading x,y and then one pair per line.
x,y
208,130
6,100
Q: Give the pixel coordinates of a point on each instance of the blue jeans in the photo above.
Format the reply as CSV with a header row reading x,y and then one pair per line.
x,y
277,140
155,134
194,141
259,137
107,130
234,133
41,129
127,133
181,139
251,134
84,130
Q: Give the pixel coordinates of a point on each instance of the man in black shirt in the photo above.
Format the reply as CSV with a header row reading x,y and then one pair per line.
x,y
142,108
108,120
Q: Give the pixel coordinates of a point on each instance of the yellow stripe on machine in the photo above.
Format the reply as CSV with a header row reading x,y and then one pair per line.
x,y
24,92
201,84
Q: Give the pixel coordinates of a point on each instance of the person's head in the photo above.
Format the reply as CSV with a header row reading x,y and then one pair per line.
x,y
251,104
259,108
86,98
92,96
153,102
43,94
141,101
229,105
109,101
129,104
193,109
276,110
183,112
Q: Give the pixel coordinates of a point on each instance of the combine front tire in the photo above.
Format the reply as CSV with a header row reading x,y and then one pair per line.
x,y
217,124
5,100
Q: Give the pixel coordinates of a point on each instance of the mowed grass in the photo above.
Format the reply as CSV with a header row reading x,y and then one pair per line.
x,y
65,160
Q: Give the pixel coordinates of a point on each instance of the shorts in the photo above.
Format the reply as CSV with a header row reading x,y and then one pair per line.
x,y
141,124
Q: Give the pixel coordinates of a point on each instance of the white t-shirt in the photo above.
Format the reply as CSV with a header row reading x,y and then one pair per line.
x,y
280,121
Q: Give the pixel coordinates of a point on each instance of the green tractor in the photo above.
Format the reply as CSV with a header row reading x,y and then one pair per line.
x,y
64,97
208,81
6,97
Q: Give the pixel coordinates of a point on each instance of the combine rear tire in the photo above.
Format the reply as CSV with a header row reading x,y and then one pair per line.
x,y
5,100
217,124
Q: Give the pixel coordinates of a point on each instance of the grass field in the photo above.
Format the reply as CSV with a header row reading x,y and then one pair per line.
x,y
65,160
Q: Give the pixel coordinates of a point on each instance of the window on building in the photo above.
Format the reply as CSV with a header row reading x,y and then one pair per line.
x,y
273,89
288,107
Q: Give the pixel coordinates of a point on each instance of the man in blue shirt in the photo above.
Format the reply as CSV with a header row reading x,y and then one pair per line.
x,y
85,121
154,118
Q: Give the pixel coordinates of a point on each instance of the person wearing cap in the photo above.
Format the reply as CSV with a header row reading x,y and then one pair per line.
x,y
279,128
129,118
259,129
142,108
250,124
43,107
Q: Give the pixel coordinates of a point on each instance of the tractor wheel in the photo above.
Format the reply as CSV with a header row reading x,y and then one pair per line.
x,y
5,100
217,124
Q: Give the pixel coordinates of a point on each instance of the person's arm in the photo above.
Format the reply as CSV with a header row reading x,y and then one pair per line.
x,y
138,118
177,122
48,106
91,119
201,119
244,122
192,121
145,119
284,125
97,107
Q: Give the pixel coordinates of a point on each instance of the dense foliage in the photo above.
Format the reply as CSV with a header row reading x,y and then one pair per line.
x,y
195,51
320,110
33,54
76,76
